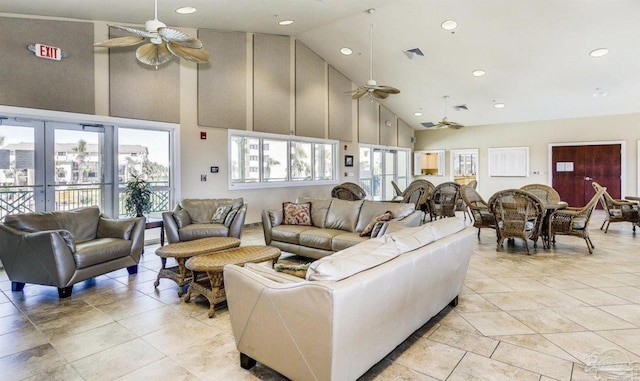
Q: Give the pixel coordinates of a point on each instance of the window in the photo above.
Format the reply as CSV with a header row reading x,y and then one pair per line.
x,y
258,160
379,166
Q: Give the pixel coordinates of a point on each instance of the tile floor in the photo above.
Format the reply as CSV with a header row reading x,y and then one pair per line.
x,y
548,316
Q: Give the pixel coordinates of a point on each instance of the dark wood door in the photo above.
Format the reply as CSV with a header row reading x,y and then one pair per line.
x,y
576,167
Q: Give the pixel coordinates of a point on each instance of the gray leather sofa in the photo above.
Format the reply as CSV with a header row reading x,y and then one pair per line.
x,y
65,247
353,308
336,225
194,218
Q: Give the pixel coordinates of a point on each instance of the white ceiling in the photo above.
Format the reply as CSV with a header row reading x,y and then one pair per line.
x,y
535,52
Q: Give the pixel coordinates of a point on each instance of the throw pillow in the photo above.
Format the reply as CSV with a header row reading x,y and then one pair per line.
x,y
231,215
386,216
296,270
221,213
182,218
296,214
115,228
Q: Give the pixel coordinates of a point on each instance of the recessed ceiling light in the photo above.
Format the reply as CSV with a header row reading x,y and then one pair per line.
x,y
186,10
499,105
449,25
285,22
346,51
600,52
478,73
417,113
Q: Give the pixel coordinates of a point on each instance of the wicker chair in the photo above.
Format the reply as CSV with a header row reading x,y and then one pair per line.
x,y
617,210
349,191
574,221
418,193
473,184
544,192
518,214
443,200
396,189
482,216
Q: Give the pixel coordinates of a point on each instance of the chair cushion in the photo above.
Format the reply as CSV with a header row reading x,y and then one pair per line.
x,y
182,218
82,223
101,250
578,223
197,231
202,210
296,214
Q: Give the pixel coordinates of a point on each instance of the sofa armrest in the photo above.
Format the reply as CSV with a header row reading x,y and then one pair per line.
x,y
270,219
413,219
137,238
42,257
235,229
170,227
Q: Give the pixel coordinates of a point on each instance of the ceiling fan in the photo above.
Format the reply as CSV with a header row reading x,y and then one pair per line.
x,y
444,123
164,43
371,87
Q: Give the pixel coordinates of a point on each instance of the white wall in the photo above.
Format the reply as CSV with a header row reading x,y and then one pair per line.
x,y
538,136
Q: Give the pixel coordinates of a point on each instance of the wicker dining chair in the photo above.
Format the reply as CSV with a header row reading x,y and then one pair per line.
x,y
348,191
617,210
546,193
574,221
518,214
443,200
482,216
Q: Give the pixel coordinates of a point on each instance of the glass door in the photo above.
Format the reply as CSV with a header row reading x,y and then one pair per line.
x,y
21,174
79,169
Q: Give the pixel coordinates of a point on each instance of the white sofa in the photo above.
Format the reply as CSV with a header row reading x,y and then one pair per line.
x,y
353,308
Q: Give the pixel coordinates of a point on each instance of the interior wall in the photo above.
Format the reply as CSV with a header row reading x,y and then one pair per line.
x,y
538,136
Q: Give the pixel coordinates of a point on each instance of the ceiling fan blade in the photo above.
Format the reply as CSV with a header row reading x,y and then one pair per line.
x,y
359,93
377,93
388,89
137,32
455,126
120,41
152,54
189,54
178,37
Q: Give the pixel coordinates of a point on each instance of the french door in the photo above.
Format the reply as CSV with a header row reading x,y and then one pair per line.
x,y
381,165
47,166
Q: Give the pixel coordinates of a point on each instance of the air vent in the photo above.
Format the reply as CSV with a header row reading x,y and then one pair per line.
x,y
427,124
413,53
461,107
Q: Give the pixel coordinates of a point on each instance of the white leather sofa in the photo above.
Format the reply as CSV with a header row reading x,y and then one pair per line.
x,y
353,308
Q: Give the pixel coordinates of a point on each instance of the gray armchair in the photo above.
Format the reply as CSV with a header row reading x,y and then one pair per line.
x,y
65,247
201,218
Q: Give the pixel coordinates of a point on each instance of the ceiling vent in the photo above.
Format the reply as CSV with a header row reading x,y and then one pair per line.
x,y
413,53
427,124
461,107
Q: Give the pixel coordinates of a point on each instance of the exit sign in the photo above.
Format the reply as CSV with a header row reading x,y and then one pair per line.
x,y
47,51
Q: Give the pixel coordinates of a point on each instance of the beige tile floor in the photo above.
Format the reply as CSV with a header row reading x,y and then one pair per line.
x,y
549,316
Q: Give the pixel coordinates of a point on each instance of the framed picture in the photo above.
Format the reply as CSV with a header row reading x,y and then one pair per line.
x,y
348,160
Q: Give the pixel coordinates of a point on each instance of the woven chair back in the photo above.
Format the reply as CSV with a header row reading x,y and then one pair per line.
x,y
348,191
544,192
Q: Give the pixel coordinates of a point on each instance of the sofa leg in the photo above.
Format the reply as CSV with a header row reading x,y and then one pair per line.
x,y
246,362
64,292
17,286
454,302
132,269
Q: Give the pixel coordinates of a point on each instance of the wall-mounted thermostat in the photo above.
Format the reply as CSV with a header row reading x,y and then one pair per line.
x,y
215,169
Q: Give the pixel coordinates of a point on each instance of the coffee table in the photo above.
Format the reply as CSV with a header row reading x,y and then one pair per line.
x,y
182,251
212,287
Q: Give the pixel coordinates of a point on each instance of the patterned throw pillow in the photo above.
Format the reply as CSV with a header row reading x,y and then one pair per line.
x,y
231,215
296,270
386,216
221,213
296,214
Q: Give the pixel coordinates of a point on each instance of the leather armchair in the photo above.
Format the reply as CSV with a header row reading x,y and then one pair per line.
x,y
65,247
195,218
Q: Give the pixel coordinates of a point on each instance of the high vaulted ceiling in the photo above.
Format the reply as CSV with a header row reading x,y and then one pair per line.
x,y
535,52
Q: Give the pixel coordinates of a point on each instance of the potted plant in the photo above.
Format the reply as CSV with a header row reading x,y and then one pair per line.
x,y
137,196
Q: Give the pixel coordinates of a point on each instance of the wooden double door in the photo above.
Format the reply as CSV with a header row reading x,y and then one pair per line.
x,y
574,168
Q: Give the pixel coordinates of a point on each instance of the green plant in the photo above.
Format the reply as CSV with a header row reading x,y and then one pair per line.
x,y
137,196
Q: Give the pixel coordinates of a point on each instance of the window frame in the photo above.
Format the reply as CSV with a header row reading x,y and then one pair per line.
x,y
262,183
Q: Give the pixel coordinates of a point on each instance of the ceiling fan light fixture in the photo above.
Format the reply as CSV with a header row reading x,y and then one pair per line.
x,y
186,10
478,73
449,25
417,114
285,22
499,105
346,51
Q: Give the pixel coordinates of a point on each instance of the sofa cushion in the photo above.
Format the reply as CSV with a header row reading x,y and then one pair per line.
x,y
371,209
197,231
345,240
82,223
318,238
296,214
182,218
319,209
100,250
112,228
343,214
289,233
